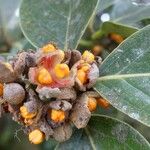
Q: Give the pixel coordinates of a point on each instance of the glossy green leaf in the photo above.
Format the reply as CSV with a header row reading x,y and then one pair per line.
x,y
113,112
125,77
111,27
124,11
103,4
104,133
60,21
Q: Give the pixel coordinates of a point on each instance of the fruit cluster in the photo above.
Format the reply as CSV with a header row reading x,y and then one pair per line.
x,y
50,90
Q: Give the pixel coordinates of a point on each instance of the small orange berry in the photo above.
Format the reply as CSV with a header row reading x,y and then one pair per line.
x,y
97,50
116,37
88,57
92,103
85,67
48,48
44,76
57,115
103,103
82,76
36,136
61,70
1,89
25,114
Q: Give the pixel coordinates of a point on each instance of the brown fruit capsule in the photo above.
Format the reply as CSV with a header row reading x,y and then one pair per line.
x,y
6,73
13,93
63,133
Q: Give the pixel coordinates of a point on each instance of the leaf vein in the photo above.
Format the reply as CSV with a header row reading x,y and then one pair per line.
x,y
123,76
90,138
68,27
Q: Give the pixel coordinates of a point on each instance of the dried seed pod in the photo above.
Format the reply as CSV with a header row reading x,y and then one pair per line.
x,y
53,58
49,61
60,105
93,75
75,57
67,57
81,114
6,73
86,79
47,92
46,129
31,106
23,62
67,94
13,93
59,93
14,110
20,63
30,60
63,133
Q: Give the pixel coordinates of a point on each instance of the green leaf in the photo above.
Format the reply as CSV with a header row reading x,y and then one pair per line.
x,y
123,11
103,4
111,27
127,13
49,145
125,77
62,22
105,133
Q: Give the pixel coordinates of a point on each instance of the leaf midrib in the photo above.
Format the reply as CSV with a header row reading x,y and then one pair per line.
x,y
123,76
90,138
68,27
